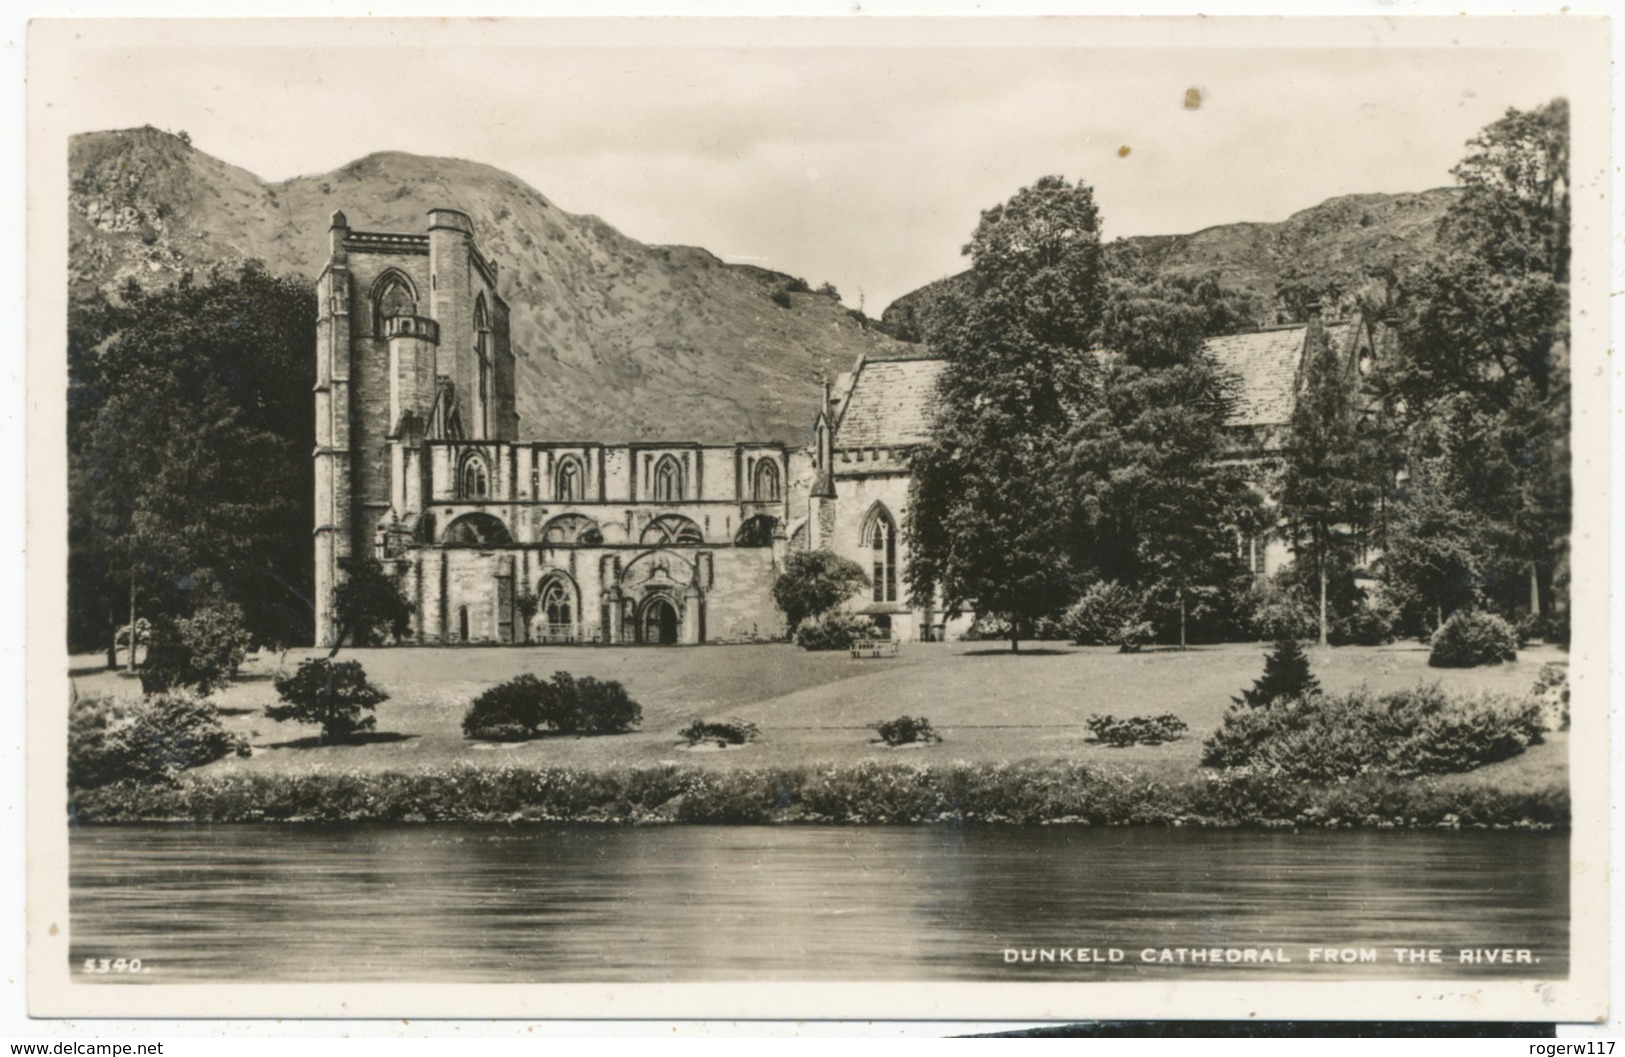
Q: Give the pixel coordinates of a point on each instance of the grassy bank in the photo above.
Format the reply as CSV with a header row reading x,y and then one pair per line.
x,y
813,709
869,792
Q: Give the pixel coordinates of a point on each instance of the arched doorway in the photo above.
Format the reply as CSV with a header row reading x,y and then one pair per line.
x,y
659,624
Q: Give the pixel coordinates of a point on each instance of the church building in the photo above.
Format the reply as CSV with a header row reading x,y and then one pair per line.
x,y
497,539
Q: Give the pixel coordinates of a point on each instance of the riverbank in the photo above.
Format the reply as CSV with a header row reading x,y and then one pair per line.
x,y
813,709
1015,747
873,792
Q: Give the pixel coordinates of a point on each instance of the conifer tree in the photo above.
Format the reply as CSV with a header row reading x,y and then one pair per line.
x,y
1286,674
1327,489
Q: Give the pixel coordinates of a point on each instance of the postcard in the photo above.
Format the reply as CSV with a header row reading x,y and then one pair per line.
x,y
805,518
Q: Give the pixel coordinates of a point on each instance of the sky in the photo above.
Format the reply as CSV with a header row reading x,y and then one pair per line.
x,y
862,160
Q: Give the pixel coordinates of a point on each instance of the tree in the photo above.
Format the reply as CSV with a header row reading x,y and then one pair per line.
x,y
1484,328
988,520
1286,675
1327,487
815,582
333,695
189,426
368,606
1158,506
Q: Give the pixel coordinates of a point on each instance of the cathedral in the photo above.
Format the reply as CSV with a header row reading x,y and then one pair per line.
x,y
498,539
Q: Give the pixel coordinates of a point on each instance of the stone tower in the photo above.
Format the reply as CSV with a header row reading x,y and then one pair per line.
x,y
411,345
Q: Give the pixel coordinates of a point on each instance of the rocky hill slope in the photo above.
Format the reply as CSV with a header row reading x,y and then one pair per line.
x,y
1338,241
616,340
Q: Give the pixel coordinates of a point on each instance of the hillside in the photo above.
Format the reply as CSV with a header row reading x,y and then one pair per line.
x,y
616,340
1337,241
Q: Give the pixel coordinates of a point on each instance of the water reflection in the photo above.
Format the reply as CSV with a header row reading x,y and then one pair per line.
x,y
558,903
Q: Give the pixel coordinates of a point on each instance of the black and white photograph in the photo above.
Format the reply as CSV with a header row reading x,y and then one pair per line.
x,y
957,518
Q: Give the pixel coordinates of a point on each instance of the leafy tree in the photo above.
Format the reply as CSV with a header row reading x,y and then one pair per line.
x,y
1327,487
1159,507
989,520
368,606
189,425
201,651
1286,675
1484,329
332,694
814,582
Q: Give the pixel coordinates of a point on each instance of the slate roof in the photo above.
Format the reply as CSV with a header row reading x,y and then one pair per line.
x,y
889,404
1263,366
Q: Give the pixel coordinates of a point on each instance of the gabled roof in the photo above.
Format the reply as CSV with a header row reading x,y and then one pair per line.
x,y
1264,368
889,401
889,404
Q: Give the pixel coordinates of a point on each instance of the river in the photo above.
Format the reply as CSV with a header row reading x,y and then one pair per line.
x,y
555,903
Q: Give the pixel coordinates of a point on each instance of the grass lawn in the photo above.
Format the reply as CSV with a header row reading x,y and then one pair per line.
x,y
814,708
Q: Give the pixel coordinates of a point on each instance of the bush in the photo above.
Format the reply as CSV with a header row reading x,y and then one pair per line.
x,y
1369,622
905,730
517,709
1136,730
589,706
333,695
815,582
833,631
1109,614
1551,689
200,652
1471,638
510,711
722,731
1402,734
781,297
1281,610
146,739
1286,675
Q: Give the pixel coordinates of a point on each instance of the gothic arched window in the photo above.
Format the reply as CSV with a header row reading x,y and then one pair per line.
x,y
567,486
880,538
557,603
766,486
668,482
672,528
474,482
392,295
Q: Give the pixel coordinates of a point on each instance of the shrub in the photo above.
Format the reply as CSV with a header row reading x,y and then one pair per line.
x,y
333,695
833,631
1109,614
517,709
509,711
905,730
1281,610
146,739
588,706
722,731
1551,689
1461,738
1369,622
1286,675
1471,638
1136,730
815,582
781,297
1402,734
200,652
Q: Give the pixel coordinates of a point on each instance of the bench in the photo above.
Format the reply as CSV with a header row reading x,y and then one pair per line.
x,y
874,648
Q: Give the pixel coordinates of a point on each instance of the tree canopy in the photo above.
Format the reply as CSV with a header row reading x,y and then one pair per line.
x,y
989,514
189,426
